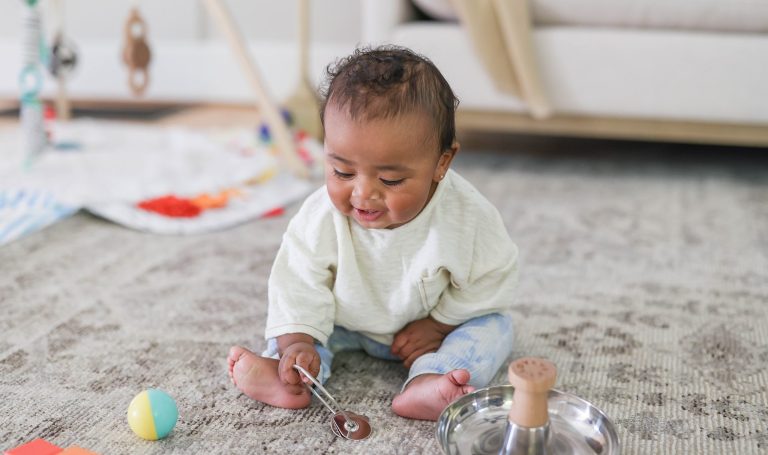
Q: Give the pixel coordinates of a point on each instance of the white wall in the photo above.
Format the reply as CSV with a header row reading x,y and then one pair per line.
x,y
191,62
261,20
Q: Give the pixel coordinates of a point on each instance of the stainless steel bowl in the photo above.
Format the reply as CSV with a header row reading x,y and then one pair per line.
x,y
475,424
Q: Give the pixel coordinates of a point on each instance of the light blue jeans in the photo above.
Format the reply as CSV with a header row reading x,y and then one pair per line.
x,y
480,345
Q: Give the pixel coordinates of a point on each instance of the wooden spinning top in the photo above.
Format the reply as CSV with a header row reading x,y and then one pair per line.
x,y
136,52
532,379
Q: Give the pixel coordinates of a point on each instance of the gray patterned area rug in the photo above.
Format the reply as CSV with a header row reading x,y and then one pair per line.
x,y
644,278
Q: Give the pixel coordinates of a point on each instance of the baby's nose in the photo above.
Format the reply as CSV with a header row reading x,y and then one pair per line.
x,y
365,189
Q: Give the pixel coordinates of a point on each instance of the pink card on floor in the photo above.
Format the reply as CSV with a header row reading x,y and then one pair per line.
x,y
36,447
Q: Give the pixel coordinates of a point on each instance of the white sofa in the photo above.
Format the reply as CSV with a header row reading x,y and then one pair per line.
x,y
679,70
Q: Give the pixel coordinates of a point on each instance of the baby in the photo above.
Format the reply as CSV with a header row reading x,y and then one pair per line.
x,y
397,255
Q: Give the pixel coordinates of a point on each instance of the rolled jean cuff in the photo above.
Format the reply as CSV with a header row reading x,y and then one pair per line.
x,y
433,363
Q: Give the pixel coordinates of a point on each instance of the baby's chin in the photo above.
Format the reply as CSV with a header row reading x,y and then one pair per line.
x,y
370,221
374,224
379,224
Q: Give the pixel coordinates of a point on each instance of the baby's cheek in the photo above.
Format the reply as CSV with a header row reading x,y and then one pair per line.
x,y
339,197
408,208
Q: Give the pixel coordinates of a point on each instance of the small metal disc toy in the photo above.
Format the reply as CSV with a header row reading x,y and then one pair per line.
x,y
525,417
344,424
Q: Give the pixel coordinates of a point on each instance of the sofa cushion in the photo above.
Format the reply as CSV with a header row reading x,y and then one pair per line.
x,y
615,73
745,16
705,15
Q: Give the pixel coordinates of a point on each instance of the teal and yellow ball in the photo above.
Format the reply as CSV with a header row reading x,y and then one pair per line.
x,y
152,414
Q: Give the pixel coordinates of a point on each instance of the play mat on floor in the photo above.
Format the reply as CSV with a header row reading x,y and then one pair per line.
x,y
165,180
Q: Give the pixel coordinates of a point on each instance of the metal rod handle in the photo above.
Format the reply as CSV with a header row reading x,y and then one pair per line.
x,y
349,423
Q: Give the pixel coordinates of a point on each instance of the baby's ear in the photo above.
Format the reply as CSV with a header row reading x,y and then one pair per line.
x,y
449,153
444,162
455,146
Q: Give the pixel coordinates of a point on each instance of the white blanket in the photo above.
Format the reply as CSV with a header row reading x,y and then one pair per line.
x,y
108,167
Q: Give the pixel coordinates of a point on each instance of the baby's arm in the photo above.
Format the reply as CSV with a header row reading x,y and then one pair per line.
x,y
418,338
297,348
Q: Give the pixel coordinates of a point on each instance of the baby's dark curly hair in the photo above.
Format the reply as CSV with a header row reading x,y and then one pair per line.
x,y
388,81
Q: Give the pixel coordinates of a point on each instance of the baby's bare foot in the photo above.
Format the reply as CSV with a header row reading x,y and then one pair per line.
x,y
427,395
257,378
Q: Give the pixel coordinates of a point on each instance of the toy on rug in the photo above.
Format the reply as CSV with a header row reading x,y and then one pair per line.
x,y
43,447
177,207
215,201
152,414
344,424
35,447
171,206
527,416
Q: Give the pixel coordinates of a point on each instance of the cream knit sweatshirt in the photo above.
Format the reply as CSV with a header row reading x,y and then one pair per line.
x,y
454,261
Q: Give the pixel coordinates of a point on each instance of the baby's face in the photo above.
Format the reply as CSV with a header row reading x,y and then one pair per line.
x,y
381,172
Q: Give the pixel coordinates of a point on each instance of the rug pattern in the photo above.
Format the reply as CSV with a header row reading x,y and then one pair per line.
x,y
644,280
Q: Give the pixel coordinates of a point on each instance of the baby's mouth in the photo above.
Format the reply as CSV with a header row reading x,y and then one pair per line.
x,y
367,215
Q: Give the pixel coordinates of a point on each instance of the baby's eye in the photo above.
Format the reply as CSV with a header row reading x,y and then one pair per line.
x,y
342,175
392,182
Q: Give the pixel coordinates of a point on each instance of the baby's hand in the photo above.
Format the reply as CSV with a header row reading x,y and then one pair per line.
x,y
303,354
418,338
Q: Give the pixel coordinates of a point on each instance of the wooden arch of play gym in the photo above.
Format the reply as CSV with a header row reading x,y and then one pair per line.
x,y
303,99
